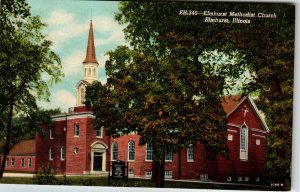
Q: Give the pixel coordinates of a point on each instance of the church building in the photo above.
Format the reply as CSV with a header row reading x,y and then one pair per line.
x,y
74,147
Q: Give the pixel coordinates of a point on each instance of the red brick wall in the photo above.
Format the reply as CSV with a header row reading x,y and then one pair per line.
x,y
18,166
43,144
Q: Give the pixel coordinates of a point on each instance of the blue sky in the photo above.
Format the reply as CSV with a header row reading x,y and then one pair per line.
x,y
68,26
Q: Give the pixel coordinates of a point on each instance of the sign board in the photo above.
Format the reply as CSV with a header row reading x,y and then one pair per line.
x,y
118,170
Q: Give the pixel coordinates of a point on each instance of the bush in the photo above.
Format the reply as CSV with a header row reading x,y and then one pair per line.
x,y
45,176
88,182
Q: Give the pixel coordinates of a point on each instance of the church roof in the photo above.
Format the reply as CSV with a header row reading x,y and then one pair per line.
x,y
90,51
23,147
229,103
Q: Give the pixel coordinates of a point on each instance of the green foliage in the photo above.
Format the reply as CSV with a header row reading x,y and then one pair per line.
x,y
45,176
88,181
26,59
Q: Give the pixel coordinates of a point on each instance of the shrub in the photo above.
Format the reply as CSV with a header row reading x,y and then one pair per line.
x,y
45,176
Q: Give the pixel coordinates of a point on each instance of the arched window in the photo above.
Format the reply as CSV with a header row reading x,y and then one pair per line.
x,y
85,72
51,154
149,151
82,95
76,130
190,152
244,143
94,72
131,150
114,151
90,72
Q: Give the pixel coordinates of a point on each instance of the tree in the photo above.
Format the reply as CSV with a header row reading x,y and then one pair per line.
x,y
25,60
165,82
266,45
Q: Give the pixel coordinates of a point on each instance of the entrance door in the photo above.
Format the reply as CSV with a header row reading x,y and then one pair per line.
x,y
97,161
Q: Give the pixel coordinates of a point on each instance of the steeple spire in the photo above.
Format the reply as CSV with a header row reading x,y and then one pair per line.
x,y
90,51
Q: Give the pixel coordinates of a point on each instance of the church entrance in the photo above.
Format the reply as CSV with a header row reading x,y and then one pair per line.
x,y
98,157
97,161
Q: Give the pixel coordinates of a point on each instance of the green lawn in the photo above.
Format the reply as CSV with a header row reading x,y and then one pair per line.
x,y
135,182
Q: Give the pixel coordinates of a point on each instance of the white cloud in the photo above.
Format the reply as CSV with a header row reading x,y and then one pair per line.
x,y
108,24
62,27
72,65
61,99
59,17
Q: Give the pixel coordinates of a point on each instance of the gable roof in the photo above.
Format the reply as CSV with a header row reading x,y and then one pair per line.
x,y
23,147
231,103
82,82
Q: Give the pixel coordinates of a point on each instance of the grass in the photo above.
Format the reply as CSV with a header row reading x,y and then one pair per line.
x,y
136,182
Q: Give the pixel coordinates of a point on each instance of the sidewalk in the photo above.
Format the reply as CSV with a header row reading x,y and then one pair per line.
x,y
29,175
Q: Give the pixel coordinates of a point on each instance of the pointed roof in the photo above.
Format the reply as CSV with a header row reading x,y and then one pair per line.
x,y
90,51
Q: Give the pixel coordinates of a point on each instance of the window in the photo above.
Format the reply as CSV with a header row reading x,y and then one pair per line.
x,y
76,150
90,72
169,156
82,96
76,130
148,173
7,162
149,151
51,154
94,72
168,174
257,141
230,137
99,132
244,143
131,151
22,162
51,133
114,150
130,172
190,152
29,162
62,153
13,162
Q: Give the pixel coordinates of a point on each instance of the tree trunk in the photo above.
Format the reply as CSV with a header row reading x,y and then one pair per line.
x,y
7,142
160,179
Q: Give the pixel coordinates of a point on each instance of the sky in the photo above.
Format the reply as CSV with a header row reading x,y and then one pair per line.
x,y
67,27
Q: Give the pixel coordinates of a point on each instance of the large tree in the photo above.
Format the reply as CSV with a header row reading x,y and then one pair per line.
x,y
165,83
27,64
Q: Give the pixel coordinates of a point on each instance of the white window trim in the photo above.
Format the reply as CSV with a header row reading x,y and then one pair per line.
x,y
129,151
50,154
61,153
22,162
148,175
244,153
13,162
187,153
101,132
51,132
168,175
112,151
29,162
148,160
169,160
7,162
75,130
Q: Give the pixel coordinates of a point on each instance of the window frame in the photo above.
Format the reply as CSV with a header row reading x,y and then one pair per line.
x,y
114,153
244,142
190,153
169,156
51,133
99,132
131,150
29,162
13,162
51,154
149,152
22,162
76,130
62,153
